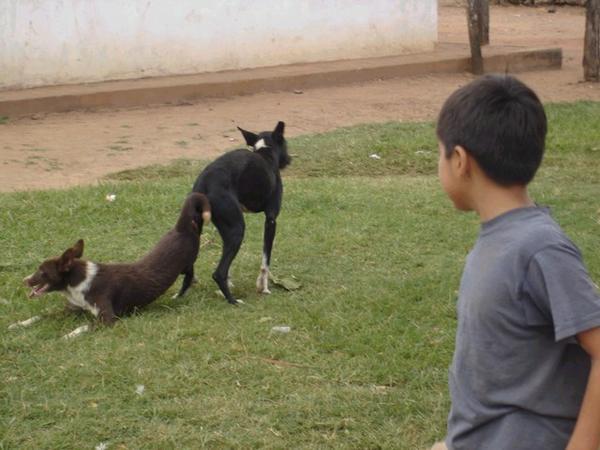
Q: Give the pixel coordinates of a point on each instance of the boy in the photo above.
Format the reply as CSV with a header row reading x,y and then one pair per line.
x,y
526,368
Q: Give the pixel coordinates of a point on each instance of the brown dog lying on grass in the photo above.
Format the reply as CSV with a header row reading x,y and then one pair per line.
x,y
109,291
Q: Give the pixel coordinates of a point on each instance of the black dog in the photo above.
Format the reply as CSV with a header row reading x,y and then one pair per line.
x,y
245,181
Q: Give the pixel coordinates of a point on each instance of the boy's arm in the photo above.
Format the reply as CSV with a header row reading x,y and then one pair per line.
x,y
587,430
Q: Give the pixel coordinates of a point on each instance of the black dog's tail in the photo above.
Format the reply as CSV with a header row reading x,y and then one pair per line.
x,y
194,213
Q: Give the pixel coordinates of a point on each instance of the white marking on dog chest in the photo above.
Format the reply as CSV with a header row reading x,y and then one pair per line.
x,y
76,294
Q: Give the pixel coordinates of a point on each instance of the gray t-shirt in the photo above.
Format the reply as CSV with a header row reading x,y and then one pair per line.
x,y
518,375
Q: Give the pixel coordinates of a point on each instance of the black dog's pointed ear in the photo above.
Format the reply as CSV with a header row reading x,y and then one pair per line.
x,y
278,132
66,260
279,128
250,138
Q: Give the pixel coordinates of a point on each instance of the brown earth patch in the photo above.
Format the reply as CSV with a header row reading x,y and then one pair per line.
x,y
60,150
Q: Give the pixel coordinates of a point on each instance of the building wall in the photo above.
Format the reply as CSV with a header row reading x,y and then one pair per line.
x,y
45,42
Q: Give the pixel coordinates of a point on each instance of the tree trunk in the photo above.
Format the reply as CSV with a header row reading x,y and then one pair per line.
x,y
591,50
485,22
474,19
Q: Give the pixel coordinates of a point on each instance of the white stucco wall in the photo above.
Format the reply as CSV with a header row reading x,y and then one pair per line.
x,y
45,42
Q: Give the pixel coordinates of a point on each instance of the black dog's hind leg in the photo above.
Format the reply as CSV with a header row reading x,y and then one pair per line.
x,y
229,220
188,279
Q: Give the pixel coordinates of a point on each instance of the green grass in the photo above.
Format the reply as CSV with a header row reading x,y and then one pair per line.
x,y
378,250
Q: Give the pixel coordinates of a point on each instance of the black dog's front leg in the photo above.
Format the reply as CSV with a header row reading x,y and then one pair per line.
x,y
262,282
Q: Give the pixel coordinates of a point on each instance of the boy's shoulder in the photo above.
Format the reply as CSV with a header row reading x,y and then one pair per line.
x,y
543,229
531,227
523,234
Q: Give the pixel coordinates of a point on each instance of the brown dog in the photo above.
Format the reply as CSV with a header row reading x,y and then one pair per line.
x,y
109,291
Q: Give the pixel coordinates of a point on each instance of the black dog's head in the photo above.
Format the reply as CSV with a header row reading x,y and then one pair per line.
x,y
273,140
53,273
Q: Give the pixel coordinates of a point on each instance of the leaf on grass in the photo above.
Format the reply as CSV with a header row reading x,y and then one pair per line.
x,y
288,283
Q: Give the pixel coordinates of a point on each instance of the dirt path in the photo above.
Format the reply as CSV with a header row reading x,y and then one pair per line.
x,y
61,150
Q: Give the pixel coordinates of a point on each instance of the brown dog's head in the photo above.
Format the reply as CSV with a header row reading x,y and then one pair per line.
x,y
52,273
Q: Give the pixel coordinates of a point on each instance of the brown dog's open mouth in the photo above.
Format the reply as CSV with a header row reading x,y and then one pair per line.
x,y
38,290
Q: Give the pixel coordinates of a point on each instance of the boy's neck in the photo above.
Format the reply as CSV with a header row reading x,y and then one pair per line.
x,y
490,200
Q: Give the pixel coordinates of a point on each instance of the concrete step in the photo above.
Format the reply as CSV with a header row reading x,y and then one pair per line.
x,y
446,58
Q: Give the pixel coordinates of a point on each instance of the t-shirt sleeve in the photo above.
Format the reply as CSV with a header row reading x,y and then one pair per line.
x,y
558,283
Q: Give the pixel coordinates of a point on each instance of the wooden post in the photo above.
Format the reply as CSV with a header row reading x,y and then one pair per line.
x,y
591,50
485,22
474,21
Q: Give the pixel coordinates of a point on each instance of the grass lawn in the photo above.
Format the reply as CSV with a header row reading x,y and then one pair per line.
x,y
377,248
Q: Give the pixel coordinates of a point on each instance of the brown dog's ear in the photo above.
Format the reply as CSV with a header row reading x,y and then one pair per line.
x,y
249,137
78,249
65,262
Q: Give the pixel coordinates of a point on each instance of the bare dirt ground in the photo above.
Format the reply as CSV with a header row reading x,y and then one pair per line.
x,y
60,150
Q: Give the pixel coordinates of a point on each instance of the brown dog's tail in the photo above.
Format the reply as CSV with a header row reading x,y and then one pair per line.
x,y
194,213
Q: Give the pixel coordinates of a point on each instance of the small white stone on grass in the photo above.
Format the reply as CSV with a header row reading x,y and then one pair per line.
x,y
139,389
281,329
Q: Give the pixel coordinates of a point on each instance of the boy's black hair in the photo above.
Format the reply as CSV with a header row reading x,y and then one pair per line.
x,y
501,123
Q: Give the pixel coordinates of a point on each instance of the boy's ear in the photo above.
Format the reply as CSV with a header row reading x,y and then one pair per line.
x,y
249,137
461,160
65,262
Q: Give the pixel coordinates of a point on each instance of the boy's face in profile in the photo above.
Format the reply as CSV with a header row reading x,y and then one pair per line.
x,y
448,173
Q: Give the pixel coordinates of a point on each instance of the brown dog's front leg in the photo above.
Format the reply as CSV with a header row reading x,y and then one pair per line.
x,y
77,331
106,314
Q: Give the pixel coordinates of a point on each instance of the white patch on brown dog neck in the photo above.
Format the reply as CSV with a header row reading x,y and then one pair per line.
x,y
76,294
